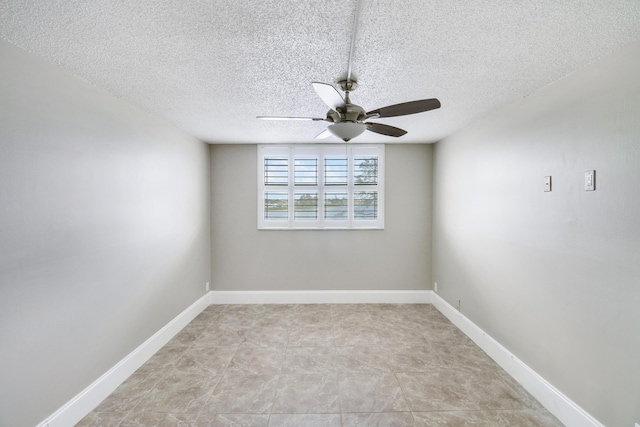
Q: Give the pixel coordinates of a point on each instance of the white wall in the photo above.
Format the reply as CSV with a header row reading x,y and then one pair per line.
x,y
396,258
104,232
554,277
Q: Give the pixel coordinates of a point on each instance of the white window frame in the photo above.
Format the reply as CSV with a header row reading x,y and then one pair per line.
x,y
321,151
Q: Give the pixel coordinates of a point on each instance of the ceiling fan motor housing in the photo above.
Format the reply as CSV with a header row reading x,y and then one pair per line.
x,y
353,113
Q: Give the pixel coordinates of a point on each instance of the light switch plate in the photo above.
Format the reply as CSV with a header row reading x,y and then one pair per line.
x,y
547,184
590,180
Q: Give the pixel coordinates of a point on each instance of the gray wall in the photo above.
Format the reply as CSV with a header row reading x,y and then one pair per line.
x,y
104,232
396,258
554,277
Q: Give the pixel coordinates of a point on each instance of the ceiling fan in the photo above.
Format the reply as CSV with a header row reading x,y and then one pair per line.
x,y
349,120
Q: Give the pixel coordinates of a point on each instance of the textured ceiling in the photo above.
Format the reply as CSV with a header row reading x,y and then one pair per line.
x,y
211,66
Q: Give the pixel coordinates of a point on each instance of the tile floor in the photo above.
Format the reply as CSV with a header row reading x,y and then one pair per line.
x,y
320,365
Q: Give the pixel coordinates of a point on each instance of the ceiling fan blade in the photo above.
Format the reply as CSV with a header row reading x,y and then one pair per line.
x,y
385,129
315,119
324,134
329,95
406,108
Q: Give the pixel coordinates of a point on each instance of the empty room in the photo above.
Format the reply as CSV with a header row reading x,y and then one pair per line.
x,y
319,213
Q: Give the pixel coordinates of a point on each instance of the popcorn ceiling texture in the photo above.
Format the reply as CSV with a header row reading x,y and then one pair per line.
x,y
211,66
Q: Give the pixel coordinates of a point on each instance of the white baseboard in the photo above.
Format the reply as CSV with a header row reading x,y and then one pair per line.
x,y
567,411
321,297
78,407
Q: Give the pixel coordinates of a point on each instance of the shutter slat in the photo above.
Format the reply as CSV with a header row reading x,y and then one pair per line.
x,y
276,171
305,171
336,171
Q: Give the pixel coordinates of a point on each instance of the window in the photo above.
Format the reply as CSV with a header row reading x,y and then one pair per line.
x,y
321,186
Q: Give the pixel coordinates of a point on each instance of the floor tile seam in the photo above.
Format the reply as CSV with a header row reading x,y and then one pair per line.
x,y
373,412
464,413
337,374
429,411
275,392
307,413
189,347
208,399
197,335
145,394
541,410
518,389
196,414
135,406
404,395
119,422
340,396
333,337
476,408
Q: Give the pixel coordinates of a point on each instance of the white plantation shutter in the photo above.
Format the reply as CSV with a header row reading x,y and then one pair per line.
x,y
305,171
336,170
321,186
276,170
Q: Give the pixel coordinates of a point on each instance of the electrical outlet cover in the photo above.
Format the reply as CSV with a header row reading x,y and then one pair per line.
x,y
590,180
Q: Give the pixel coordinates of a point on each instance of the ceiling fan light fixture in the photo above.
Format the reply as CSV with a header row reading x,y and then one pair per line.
x,y
347,130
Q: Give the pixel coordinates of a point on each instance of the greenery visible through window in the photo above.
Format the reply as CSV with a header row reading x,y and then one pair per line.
x,y
320,186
